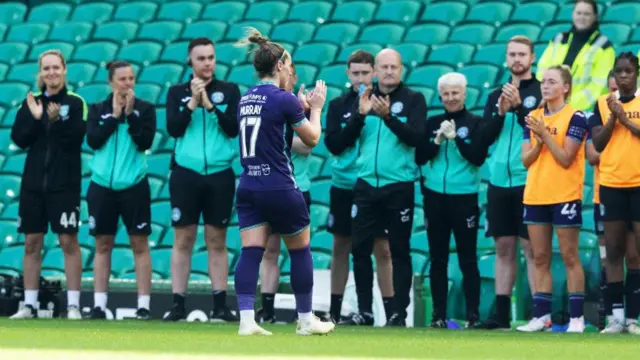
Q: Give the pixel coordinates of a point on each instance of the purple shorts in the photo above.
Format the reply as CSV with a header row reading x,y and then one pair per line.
x,y
285,211
568,214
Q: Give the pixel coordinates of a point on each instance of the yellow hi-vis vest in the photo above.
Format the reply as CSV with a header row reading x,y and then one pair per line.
x,y
589,70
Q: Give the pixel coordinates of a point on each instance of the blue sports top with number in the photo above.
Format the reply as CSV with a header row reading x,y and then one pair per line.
x,y
264,113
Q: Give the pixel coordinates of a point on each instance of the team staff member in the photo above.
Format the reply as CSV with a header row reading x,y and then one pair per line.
x,y
201,115
586,51
554,155
615,139
394,118
455,151
269,268
120,130
341,139
503,128
50,125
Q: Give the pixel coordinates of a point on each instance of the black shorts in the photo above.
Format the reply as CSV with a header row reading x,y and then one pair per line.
x,y
107,205
340,208
307,200
193,195
620,204
37,210
504,212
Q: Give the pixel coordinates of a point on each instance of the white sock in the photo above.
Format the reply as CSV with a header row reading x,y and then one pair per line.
x,y
73,298
100,300
31,297
618,314
247,315
143,301
305,316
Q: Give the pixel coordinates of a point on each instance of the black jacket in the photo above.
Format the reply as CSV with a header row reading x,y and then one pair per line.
x,y
53,160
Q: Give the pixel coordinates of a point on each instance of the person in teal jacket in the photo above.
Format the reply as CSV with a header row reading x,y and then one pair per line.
x,y
393,119
269,268
201,116
119,130
451,157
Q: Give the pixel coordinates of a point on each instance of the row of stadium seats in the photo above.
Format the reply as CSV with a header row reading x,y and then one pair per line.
x,y
357,12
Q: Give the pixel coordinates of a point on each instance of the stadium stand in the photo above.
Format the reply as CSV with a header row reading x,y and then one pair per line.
x,y
434,37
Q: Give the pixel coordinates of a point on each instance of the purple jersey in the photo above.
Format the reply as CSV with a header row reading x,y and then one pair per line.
x,y
264,114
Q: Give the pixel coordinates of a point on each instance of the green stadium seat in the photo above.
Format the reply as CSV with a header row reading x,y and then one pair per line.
x,y
337,33
184,11
93,12
13,52
382,34
319,216
228,11
412,54
121,260
116,31
161,74
161,31
490,12
94,92
626,12
494,54
12,13
334,75
227,53
95,52
293,32
428,34
72,31
49,13
25,72
551,30
481,76
80,73
472,33
175,52
243,74
275,11
320,191
28,33
316,54
507,32
237,30
449,12
138,11
148,92
306,74
538,12
617,33
451,54
11,258
143,52
12,94
428,75
36,50
401,11
311,11
357,12
212,29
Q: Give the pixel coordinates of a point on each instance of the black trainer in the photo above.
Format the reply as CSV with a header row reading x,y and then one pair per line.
x,y
364,318
143,314
396,320
97,314
223,315
176,313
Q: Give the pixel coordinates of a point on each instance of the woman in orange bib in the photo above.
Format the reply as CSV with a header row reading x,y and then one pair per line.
x,y
615,127
554,154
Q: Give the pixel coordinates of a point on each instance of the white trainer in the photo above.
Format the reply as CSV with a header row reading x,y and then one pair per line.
x,y
536,324
576,325
252,328
27,312
73,313
614,326
633,328
314,326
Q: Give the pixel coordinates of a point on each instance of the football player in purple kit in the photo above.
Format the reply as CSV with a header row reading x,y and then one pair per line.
x,y
268,198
